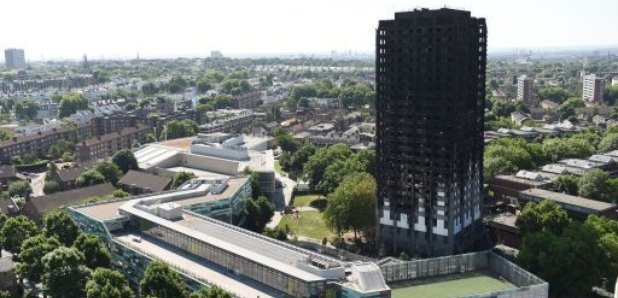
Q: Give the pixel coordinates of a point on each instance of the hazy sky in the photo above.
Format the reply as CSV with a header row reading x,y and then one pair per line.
x,y
50,29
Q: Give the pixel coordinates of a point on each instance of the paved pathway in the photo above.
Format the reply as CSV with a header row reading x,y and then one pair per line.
x,y
288,190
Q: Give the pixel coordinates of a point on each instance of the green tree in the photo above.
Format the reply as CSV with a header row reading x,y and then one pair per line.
x,y
211,292
26,110
553,257
182,177
125,160
150,89
556,94
119,193
64,273
150,138
110,171
106,283
71,103
90,177
364,161
15,231
161,282
20,189
609,142
352,205
94,250
556,149
62,227
203,86
567,184
316,165
546,215
258,213
30,257
285,140
593,185
181,128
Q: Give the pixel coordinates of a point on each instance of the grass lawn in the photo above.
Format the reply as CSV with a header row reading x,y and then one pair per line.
x,y
455,285
304,200
310,224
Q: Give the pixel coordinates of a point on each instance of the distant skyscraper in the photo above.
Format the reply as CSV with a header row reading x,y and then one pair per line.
x,y
85,63
593,88
15,58
524,90
430,78
216,54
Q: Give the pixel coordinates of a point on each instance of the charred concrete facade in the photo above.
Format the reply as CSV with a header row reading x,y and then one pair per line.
x,y
430,78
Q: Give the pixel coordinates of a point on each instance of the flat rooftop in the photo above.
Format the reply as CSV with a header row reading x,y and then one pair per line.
x,y
109,210
448,286
199,269
568,199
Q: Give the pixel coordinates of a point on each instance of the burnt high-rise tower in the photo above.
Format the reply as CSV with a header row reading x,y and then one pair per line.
x,y
430,78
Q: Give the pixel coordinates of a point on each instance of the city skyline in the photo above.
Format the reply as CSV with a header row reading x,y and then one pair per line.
x,y
66,29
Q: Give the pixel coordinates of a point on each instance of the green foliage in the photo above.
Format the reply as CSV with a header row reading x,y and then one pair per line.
x,y
125,160
203,86
106,283
150,89
182,177
57,150
94,250
150,138
609,142
61,226
363,161
316,165
161,282
567,108
553,257
258,213
352,205
5,294
285,140
119,193
181,128
546,215
71,103
15,231
20,189
294,163
33,250
567,184
597,185
64,273
6,134
277,233
509,155
211,292
556,94
26,110
557,149
110,171
90,177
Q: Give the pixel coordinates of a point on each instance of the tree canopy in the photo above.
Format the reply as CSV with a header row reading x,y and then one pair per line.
x,y
258,213
90,177
61,226
110,171
181,128
64,273
182,177
15,231
71,103
95,252
30,257
106,283
162,282
20,189
211,292
352,205
125,160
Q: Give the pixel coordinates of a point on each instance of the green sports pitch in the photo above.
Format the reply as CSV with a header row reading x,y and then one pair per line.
x,y
453,285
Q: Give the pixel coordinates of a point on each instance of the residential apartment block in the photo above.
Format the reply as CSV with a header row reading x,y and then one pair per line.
x,y
524,91
593,88
108,144
430,79
14,58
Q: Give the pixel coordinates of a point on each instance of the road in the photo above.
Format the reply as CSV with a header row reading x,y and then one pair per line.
x,y
37,182
286,192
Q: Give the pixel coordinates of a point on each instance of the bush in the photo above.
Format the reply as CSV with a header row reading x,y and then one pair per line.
x,y
51,187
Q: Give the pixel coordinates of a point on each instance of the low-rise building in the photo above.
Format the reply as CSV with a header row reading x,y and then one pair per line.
x,y
36,207
66,176
577,207
227,121
108,144
249,100
136,182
